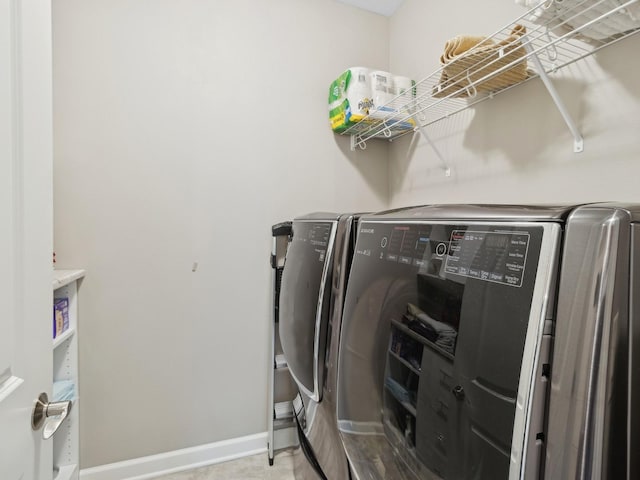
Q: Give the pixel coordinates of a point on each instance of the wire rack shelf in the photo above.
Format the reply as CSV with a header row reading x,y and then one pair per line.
x,y
548,37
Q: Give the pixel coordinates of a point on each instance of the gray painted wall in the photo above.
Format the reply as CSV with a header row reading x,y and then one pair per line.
x,y
516,148
183,131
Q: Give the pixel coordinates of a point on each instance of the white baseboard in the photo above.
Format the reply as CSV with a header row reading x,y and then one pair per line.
x,y
179,460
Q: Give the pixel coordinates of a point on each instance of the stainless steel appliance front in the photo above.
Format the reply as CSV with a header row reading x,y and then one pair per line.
x,y
304,299
445,335
457,362
314,280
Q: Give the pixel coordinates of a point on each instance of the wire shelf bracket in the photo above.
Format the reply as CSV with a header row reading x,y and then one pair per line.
x,y
578,140
445,166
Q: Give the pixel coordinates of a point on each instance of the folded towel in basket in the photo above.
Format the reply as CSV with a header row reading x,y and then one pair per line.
x,y
563,16
460,44
476,64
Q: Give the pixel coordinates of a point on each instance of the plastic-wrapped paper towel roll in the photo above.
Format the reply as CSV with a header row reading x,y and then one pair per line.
x,y
350,98
405,87
382,88
359,91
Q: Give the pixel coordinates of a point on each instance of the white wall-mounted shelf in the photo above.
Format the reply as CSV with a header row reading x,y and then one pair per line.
x,y
60,339
66,440
67,472
548,37
65,277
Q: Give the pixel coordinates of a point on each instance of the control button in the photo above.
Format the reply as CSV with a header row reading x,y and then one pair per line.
x,y
458,392
383,242
405,260
441,249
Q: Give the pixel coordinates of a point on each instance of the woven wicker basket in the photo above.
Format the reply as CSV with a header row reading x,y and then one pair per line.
x,y
461,75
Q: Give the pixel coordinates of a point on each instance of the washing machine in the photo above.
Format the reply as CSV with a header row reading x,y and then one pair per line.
x,y
311,301
493,342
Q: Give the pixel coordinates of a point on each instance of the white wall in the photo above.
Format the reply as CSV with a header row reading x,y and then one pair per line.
x,y
183,131
516,147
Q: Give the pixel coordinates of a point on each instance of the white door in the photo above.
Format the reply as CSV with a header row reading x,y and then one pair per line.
x,y
25,234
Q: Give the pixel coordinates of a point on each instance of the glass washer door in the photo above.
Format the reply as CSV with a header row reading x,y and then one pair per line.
x,y
441,312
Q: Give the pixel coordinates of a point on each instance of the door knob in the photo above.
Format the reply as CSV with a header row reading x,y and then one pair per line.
x,y
49,414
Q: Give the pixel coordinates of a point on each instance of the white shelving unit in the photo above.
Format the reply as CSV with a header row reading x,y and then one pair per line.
x,y
65,367
550,36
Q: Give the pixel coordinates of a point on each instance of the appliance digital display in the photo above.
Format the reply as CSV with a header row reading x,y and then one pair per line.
x,y
492,256
316,236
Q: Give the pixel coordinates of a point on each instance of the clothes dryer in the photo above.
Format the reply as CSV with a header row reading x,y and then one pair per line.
x,y
493,342
311,301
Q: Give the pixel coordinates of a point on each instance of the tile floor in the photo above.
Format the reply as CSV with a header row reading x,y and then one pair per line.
x,y
255,467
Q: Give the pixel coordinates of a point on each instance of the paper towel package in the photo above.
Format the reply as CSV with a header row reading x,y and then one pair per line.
x,y
350,98
360,94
